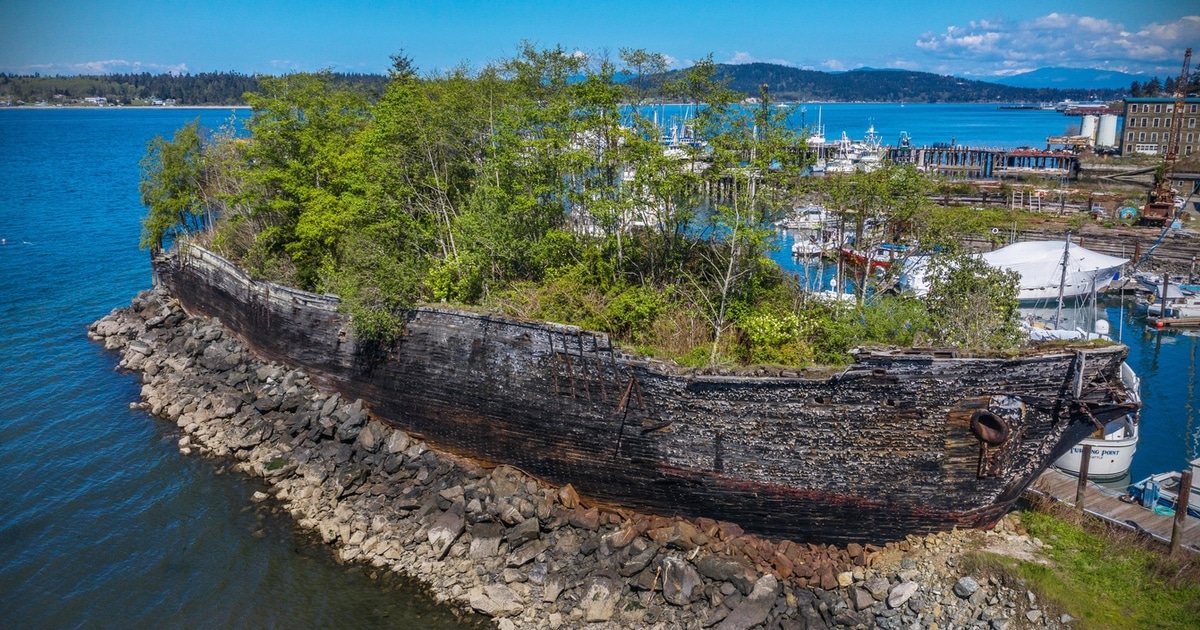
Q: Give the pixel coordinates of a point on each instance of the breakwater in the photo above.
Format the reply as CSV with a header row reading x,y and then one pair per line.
x,y
497,541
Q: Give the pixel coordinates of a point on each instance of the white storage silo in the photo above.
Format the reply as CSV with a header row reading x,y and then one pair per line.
x,y
1088,128
1107,134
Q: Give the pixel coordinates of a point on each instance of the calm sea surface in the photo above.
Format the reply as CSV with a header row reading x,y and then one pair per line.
x,y
104,524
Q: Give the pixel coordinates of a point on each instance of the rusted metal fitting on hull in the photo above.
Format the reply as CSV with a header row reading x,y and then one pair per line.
x,y
990,428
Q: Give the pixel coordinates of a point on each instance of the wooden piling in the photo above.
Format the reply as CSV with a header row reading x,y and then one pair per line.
x,y
1181,508
1081,489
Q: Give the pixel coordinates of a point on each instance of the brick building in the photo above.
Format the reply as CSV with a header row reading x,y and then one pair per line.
x,y
1147,125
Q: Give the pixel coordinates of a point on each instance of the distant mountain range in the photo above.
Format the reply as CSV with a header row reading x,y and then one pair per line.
x,y
1073,78
788,83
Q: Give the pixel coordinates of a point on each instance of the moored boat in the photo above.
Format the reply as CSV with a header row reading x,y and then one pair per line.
x,y
1160,492
1051,270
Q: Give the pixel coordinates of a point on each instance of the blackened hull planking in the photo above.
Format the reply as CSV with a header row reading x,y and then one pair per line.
x,y
902,442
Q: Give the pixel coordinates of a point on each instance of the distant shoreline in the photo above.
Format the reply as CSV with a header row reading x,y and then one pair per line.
x,y
110,107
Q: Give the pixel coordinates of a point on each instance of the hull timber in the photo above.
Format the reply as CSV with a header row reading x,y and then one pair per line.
x,y
884,449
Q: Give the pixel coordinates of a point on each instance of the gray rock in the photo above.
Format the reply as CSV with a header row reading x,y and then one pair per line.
x,y
496,600
1034,616
900,594
861,598
485,540
553,588
444,531
965,586
753,610
523,532
372,436
878,587
728,570
525,553
636,557
330,405
599,601
397,442
681,583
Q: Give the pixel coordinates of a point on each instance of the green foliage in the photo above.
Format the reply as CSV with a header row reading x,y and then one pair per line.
x,y
774,338
972,304
1108,583
171,186
529,185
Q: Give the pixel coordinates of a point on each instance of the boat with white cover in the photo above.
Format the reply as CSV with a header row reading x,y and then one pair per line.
x,y
1041,266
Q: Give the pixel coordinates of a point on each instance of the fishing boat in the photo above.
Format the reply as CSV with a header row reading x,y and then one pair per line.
x,y
902,441
1113,444
1160,492
876,259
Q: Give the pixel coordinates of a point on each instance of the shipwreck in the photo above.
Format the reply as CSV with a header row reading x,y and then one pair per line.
x,y
903,441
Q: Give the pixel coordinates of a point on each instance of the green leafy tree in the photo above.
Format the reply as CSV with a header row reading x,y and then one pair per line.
x,y
172,185
305,166
972,304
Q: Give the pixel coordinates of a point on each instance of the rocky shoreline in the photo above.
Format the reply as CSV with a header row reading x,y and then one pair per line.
x,y
527,554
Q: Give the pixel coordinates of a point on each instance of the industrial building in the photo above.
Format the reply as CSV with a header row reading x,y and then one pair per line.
x,y
1147,126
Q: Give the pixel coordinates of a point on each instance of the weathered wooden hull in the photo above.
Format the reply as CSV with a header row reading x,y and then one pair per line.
x,y
881,450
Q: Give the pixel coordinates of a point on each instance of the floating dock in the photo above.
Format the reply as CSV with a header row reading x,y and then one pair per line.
x,y
1103,503
1174,322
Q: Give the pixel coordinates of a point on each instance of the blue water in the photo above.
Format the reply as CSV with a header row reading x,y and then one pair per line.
x,y
981,126
103,523
984,126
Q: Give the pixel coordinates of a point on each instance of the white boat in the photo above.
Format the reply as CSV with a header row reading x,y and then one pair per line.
x,y
811,247
1041,266
1160,492
805,218
1113,446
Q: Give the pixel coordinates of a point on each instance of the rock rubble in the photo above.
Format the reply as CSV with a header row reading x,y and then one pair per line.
x,y
527,554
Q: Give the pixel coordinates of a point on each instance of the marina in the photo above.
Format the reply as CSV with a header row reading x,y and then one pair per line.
x,y
1105,503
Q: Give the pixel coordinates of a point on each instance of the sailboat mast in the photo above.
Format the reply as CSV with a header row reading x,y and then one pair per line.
x,y
1062,282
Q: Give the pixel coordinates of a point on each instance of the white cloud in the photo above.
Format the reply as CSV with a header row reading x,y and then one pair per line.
x,y
1002,47
742,57
833,64
102,66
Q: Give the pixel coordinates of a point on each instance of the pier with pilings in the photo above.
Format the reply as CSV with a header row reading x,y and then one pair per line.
x,y
964,162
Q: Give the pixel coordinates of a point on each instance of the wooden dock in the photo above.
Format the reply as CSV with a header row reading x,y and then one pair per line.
x,y
1103,503
1174,322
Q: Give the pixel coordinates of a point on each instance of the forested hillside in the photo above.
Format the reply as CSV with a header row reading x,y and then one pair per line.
x,y
788,83
206,88
783,82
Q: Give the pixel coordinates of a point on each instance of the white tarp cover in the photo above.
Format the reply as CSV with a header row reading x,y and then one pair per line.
x,y
1040,266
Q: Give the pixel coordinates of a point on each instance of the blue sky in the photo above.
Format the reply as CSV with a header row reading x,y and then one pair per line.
x,y
970,39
